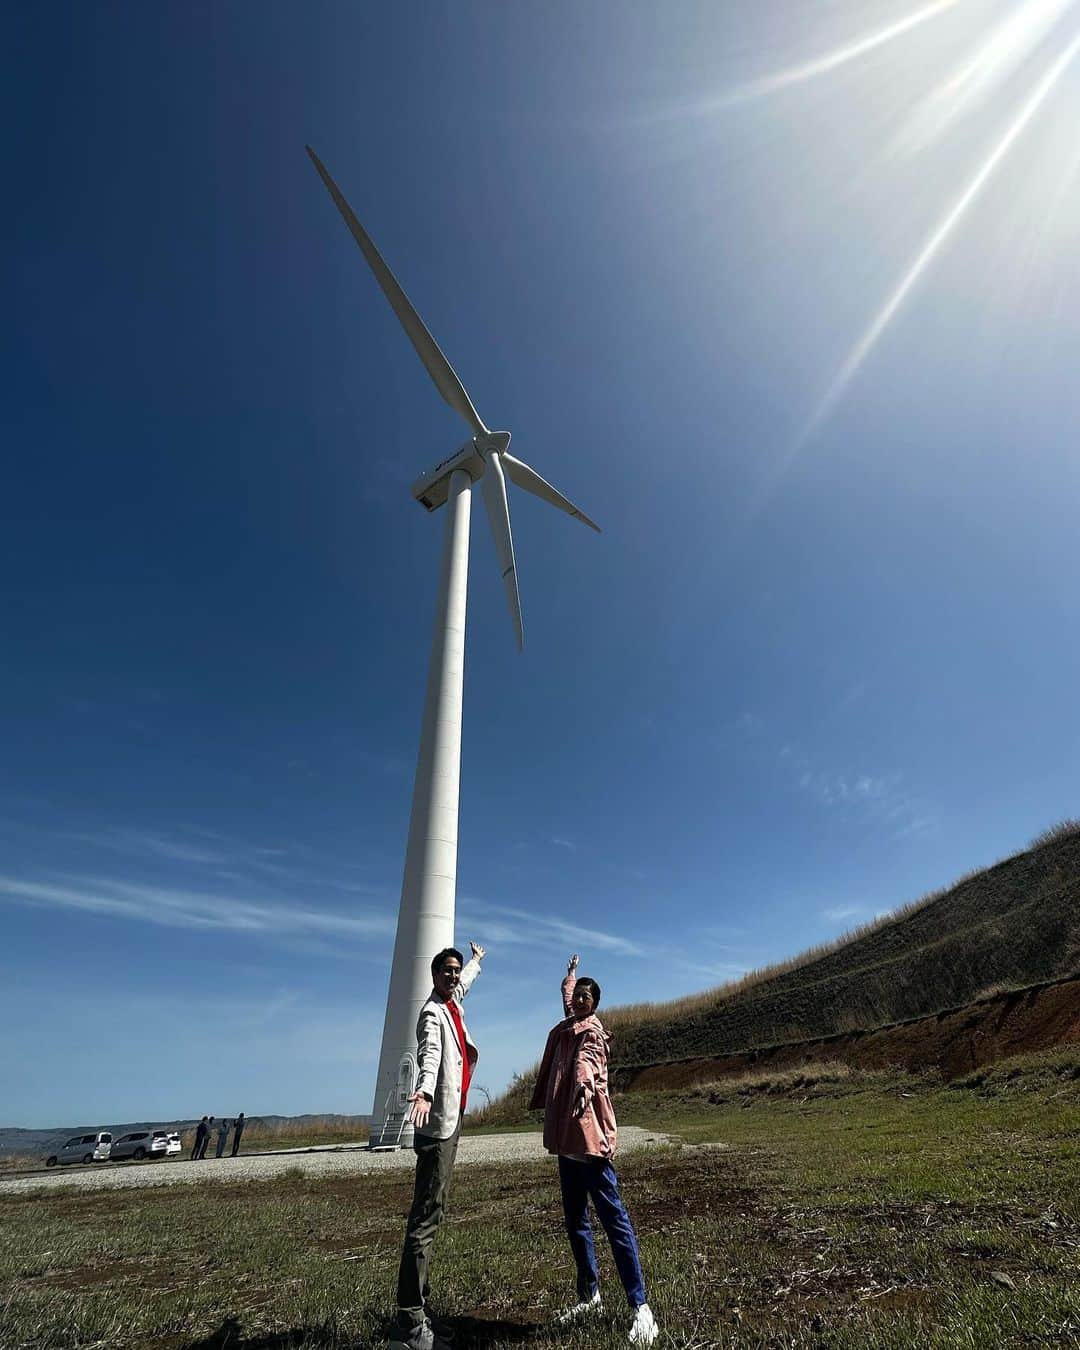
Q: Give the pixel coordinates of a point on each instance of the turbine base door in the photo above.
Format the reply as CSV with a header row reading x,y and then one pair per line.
x,y
405,1080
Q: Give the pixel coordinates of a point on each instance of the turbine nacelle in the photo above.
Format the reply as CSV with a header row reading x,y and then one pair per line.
x,y
432,488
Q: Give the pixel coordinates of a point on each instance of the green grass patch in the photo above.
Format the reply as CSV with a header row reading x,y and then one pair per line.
x,y
847,1212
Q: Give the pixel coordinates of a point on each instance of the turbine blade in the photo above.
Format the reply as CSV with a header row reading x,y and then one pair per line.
x,y
531,481
438,367
498,513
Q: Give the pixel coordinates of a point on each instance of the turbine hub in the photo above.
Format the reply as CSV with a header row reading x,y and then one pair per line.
x,y
495,442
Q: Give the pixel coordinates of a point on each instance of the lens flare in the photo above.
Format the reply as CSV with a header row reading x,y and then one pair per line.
x,y
1004,51
929,250
840,56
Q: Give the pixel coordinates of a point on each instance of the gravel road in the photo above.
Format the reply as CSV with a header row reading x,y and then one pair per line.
x,y
344,1160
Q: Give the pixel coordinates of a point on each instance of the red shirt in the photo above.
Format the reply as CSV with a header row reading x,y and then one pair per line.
x,y
466,1069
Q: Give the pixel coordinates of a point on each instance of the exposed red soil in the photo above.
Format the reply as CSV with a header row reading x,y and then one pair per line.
x,y
951,1042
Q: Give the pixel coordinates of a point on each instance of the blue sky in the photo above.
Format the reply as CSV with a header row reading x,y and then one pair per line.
x,y
783,295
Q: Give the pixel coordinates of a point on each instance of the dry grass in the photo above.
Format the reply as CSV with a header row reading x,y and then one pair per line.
x,y
318,1130
1054,1073
18,1162
260,1137
629,1015
1064,829
781,1080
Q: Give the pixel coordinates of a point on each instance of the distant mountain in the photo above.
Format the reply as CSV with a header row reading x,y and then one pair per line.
x,y
14,1139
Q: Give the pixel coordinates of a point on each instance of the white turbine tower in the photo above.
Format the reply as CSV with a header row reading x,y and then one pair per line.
x,y
426,914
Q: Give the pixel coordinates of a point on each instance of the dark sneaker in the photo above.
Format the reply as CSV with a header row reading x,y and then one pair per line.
x,y
441,1328
422,1337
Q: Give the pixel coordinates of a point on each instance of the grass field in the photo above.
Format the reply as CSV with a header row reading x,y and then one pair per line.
x,y
837,1210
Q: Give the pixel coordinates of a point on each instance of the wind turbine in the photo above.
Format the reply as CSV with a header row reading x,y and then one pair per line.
x,y
426,913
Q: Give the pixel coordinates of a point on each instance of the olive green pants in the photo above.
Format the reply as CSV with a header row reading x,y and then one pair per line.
x,y
434,1168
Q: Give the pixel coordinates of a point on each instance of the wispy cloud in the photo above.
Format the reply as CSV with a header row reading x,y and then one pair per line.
x,y
559,842
837,789
172,908
149,844
880,798
517,927
723,971
236,861
838,913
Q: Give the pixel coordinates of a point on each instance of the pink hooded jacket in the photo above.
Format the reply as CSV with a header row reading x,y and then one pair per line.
x,y
576,1055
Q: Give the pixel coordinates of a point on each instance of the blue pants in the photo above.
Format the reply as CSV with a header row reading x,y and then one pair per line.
x,y
578,1181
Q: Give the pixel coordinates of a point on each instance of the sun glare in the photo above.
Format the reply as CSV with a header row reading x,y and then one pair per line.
x,y
994,59
942,231
1010,44
839,56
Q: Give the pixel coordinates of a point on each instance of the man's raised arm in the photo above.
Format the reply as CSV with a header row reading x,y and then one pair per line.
x,y
470,970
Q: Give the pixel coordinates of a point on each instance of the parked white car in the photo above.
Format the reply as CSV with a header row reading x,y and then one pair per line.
x,y
83,1148
141,1144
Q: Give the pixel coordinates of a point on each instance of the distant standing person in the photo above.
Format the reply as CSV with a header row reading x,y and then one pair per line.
x,y
579,1126
206,1137
201,1131
222,1135
238,1130
445,1058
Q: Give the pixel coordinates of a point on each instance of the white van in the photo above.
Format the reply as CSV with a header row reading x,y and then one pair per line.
x,y
83,1148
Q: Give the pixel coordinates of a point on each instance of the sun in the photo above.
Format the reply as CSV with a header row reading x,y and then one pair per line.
x,y
995,57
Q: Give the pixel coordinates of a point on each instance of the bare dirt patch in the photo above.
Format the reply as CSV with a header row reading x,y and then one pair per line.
x,y
951,1043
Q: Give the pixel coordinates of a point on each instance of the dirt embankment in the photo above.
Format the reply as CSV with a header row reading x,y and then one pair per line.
x,y
952,1042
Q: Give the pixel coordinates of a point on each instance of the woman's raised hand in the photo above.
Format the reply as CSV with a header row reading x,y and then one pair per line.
x,y
571,965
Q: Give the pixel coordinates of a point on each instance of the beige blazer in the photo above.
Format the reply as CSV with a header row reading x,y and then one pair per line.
x,y
438,1057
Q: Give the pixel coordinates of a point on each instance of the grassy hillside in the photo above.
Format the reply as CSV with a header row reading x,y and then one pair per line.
x,y
1008,926
1014,924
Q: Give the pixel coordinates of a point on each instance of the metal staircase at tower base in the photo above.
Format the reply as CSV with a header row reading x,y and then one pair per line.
x,y
388,1136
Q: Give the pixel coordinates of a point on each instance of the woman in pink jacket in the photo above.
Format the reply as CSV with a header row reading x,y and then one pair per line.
x,y
579,1126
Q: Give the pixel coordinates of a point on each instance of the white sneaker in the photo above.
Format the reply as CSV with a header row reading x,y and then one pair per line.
x,y
579,1310
643,1330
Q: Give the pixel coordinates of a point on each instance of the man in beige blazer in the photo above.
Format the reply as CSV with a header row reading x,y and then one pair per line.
x,y
445,1057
